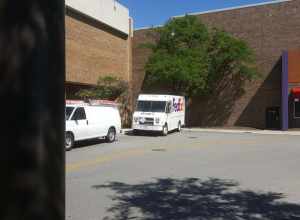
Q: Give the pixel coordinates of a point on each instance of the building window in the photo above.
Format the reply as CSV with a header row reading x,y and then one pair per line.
x,y
297,109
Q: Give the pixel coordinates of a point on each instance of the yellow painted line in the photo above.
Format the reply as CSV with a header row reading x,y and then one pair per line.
x,y
71,167
104,159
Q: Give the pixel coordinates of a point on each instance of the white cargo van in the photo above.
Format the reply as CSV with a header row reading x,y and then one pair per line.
x,y
87,121
161,113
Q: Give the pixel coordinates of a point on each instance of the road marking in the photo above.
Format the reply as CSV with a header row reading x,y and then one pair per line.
x,y
139,151
104,159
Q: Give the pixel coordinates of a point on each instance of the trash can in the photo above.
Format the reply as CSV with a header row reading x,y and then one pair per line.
x,y
273,118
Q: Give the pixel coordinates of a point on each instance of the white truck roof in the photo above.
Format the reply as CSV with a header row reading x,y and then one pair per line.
x,y
154,97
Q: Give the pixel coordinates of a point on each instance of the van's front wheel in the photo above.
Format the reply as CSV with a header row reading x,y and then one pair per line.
x,y
111,135
69,141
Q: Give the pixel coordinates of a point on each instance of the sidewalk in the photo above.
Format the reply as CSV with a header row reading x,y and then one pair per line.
x,y
235,131
241,131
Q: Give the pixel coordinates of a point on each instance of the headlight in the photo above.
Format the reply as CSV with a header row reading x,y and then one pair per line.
x,y
157,120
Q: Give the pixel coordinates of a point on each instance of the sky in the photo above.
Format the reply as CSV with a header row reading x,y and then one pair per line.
x,y
147,13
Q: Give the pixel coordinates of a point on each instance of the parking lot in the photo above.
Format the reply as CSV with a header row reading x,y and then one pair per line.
x,y
187,175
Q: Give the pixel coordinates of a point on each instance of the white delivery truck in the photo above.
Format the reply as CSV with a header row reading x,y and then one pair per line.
x,y
161,113
88,121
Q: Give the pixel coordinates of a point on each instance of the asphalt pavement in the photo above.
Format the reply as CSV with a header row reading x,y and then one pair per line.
x,y
188,175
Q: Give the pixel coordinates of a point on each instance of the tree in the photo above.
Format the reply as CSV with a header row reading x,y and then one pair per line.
x,y
111,88
190,59
230,58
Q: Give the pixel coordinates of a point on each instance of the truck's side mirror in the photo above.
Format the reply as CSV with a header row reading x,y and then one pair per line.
x,y
168,109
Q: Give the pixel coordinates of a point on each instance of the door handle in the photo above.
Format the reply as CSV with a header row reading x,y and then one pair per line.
x,y
87,122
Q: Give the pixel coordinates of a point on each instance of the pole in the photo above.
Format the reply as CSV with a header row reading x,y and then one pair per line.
x,y
284,93
32,75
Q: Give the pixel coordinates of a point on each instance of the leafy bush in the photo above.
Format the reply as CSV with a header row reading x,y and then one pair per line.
x,y
111,88
108,87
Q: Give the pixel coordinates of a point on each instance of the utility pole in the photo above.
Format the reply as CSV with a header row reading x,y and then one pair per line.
x,y
32,75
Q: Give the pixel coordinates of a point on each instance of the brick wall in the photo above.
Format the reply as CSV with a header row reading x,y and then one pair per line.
x,y
268,29
294,81
94,49
294,66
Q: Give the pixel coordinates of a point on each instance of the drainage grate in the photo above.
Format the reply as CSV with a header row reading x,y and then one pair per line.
x,y
159,150
193,137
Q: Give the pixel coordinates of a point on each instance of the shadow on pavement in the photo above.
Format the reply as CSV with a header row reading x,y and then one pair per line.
x,y
146,133
191,198
142,133
88,143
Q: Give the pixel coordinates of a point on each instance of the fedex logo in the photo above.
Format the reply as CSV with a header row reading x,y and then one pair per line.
x,y
178,105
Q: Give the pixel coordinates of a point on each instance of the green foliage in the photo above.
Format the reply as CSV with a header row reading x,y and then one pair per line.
x,y
191,59
114,89
108,87
230,56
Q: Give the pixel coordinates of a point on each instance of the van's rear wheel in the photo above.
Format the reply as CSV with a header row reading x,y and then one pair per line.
x,y
179,127
111,135
135,132
69,141
165,130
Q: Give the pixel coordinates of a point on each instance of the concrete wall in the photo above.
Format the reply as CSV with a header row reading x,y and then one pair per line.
x,y
109,12
94,49
268,29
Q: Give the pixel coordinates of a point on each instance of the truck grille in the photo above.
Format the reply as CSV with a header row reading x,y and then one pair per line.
x,y
147,121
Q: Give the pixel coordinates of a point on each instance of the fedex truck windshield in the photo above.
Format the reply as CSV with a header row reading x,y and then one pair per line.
x,y
151,106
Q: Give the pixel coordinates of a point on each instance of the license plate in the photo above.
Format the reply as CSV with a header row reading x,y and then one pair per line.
x,y
143,127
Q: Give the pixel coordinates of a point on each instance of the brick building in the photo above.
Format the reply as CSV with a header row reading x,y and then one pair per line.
x,y
98,43
269,29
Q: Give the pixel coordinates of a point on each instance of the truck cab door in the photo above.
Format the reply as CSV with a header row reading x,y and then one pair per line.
x,y
169,111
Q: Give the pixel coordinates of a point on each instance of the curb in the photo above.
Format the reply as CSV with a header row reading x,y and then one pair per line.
x,y
124,130
262,132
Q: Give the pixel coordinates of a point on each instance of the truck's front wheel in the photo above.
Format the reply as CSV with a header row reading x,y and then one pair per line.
x,y
165,130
